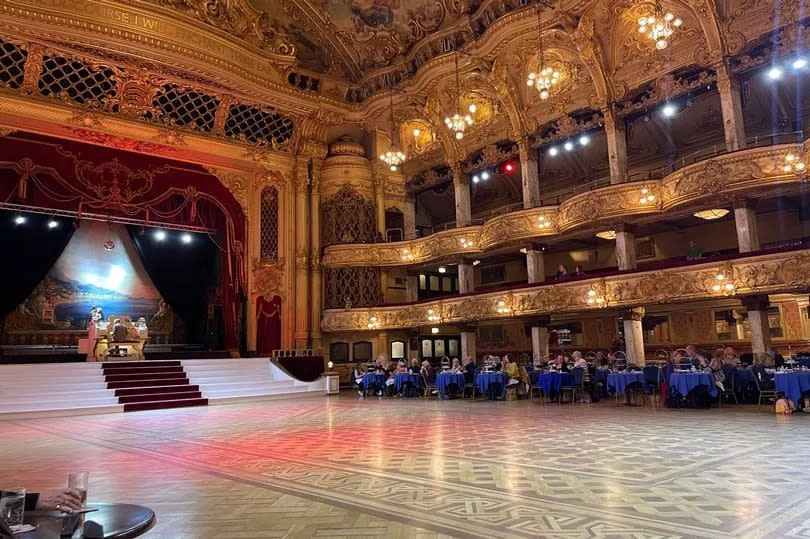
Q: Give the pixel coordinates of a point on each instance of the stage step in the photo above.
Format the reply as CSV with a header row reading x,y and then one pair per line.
x,y
151,397
117,371
143,376
162,404
138,364
148,382
155,389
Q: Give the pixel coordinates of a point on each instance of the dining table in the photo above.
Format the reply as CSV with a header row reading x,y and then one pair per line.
x,y
446,379
551,381
793,384
485,379
402,378
373,378
684,382
117,521
619,382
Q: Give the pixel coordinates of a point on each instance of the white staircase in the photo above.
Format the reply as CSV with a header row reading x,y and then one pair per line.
x,y
54,389
223,380
48,389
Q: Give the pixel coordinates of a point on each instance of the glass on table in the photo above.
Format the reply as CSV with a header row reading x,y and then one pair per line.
x,y
12,506
78,482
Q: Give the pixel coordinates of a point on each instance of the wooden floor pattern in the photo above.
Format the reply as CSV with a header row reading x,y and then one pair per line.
x,y
345,467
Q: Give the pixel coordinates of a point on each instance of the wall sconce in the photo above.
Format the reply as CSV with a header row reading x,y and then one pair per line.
x,y
595,298
544,223
465,243
646,196
722,284
407,255
373,323
502,308
432,316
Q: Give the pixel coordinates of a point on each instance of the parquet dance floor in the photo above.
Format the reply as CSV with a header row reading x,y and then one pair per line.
x,y
343,467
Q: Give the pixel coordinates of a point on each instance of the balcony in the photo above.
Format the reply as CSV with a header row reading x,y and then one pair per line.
x,y
785,270
752,173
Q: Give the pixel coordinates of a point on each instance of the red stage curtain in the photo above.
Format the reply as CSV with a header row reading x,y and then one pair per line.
x,y
58,174
268,325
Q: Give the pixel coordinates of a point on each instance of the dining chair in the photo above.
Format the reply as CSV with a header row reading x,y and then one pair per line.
x,y
728,385
578,374
763,393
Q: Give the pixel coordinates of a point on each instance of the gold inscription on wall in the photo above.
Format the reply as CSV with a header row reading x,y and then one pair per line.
x,y
152,27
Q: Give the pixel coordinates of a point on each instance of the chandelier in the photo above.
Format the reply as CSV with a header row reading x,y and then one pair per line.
x,y
459,121
659,27
393,157
546,78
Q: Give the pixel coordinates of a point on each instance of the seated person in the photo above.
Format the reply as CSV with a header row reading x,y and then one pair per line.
x,y
456,366
118,333
427,372
764,377
730,357
715,368
414,368
703,360
581,363
357,378
401,368
497,364
469,371
510,369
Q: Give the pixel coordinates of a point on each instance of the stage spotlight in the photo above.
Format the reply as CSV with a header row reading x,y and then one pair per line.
x,y
553,151
669,110
475,178
186,238
799,63
53,223
485,175
509,167
19,220
160,235
775,73
568,146
584,140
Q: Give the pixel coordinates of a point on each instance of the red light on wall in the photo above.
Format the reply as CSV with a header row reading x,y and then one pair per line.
x,y
509,167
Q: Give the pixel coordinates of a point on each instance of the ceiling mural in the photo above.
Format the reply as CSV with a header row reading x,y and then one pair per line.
x,y
360,35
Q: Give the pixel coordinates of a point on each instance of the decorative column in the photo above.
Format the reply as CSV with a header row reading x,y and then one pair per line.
x,y
634,335
409,216
468,342
757,307
411,287
302,234
540,338
529,174
461,181
379,199
466,277
316,273
616,132
745,217
535,264
739,328
728,85
626,246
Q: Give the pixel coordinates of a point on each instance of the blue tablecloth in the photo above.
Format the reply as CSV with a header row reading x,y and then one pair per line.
x,y
684,382
551,381
402,378
618,382
742,377
484,379
602,376
444,379
804,362
792,384
373,378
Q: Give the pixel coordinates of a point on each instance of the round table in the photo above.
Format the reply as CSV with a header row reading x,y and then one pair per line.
x,y
620,381
484,379
118,520
402,378
792,384
684,382
444,379
551,381
373,378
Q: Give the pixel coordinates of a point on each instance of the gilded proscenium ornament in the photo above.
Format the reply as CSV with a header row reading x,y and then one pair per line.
x,y
237,182
268,278
459,241
764,274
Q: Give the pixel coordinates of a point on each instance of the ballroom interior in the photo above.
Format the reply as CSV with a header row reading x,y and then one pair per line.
x,y
257,203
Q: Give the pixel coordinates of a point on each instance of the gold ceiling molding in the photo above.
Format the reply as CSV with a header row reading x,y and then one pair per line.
x,y
237,182
752,173
763,274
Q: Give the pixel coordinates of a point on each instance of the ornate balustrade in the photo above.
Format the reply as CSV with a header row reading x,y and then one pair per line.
x,y
753,173
774,272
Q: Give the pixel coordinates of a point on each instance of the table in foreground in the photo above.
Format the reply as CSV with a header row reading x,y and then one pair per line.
x,y
684,382
792,384
119,521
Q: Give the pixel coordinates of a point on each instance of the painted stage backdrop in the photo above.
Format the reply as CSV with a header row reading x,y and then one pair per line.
x,y
99,267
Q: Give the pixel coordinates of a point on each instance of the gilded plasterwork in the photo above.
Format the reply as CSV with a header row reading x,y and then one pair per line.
x,y
765,274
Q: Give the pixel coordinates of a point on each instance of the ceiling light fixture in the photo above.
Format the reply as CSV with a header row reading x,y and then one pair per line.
x,y
553,151
659,27
19,220
607,235
669,110
53,223
546,78
584,140
160,235
799,63
775,73
710,215
393,157
568,145
458,122
186,238
442,269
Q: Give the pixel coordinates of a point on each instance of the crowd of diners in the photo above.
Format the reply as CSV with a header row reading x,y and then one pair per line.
x,y
517,374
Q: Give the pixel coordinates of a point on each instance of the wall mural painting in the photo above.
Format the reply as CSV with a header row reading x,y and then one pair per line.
x,y
99,268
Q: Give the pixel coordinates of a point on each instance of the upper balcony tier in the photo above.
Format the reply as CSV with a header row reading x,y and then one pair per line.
x,y
751,173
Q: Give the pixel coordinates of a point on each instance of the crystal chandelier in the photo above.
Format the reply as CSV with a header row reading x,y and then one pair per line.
x,y
546,78
393,157
458,123
659,27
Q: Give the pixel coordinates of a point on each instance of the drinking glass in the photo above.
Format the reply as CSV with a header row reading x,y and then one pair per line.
x,y
12,506
78,481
